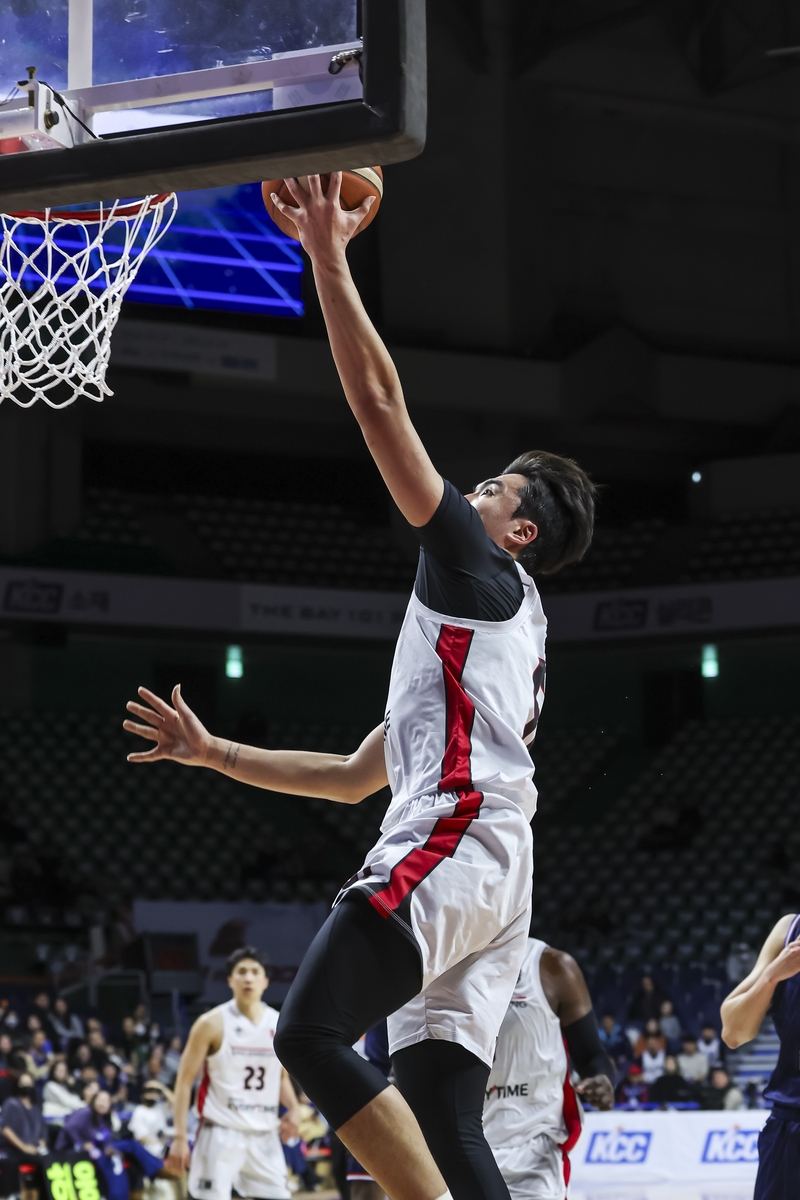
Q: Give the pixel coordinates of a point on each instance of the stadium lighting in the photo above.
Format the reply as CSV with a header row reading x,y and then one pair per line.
x,y
234,666
696,476
710,662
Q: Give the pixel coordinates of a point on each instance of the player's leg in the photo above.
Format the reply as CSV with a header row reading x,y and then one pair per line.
x,y
445,1086
778,1159
262,1174
442,1046
216,1157
359,968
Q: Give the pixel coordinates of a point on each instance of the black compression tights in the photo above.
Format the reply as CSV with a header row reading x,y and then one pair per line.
x,y
358,970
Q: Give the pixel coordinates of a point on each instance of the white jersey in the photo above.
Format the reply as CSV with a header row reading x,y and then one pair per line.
x,y
241,1082
529,1091
464,702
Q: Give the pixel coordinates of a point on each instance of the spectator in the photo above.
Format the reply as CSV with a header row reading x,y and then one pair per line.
x,y
130,1041
11,1022
647,1001
721,1093
613,1040
172,1059
115,1083
39,1056
34,1026
672,1088
151,1121
41,1008
651,1030
67,1025
22,1123
710,1045
6,1050
155,1067
92,1129
80,1057
632,1091
653,1058
59,1098
741,961
670,1025
97,1049
692,1064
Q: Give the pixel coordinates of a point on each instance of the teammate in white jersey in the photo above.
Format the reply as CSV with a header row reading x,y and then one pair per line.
x,y
432,930
532,1116
238,1144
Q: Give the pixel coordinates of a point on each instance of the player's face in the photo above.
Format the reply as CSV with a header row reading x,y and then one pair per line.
x,y
248,981
496,501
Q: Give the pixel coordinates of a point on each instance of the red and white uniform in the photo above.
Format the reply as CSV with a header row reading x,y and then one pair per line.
x,y
454,862
238,1100
532,1117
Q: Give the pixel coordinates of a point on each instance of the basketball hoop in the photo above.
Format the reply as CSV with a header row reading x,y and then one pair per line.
x,y
63,276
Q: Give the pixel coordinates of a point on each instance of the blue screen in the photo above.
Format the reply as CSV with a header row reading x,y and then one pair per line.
x,y
223,251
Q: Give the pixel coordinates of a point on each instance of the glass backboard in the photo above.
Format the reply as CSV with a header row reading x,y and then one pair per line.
x,y
153,95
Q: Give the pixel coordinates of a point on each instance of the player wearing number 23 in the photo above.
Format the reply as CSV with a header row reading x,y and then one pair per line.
x,y
238,1145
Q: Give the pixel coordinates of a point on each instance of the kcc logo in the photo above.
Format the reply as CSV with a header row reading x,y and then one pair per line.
x,y
731,1146
619,1146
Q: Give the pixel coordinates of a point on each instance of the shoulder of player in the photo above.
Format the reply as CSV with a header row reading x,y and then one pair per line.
x,y
210,1026
777,935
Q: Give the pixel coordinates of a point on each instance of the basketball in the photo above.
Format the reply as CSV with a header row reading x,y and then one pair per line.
x,y
356,186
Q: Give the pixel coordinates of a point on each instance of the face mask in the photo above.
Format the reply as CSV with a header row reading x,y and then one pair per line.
x,y
27,1093
12,1021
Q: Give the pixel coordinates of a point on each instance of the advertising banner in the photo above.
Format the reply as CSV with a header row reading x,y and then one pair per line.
x,y
667,1147
285,931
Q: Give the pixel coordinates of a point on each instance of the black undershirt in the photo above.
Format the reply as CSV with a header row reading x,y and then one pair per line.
x,y
462,572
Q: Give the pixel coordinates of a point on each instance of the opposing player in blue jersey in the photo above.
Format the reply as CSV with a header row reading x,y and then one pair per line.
x,y
774,985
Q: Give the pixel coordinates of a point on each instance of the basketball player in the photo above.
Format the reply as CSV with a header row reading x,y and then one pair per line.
x,y
431,931
238,1144
532,1117
774,985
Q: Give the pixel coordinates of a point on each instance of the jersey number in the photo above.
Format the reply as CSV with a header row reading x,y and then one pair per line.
x,y
258,1074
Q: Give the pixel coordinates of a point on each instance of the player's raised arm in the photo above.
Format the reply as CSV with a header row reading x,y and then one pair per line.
x,y
369,377
746,1006
180,736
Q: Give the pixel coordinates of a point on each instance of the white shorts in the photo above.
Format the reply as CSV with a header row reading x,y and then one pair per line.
x,y
224,1159
457,872
534,1170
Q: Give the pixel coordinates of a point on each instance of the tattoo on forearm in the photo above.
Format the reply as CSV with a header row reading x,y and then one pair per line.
x,y
231,756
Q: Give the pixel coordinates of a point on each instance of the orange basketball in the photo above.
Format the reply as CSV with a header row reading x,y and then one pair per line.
x,y
356,186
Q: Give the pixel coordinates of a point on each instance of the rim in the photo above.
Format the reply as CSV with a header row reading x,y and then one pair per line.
x,y
95,215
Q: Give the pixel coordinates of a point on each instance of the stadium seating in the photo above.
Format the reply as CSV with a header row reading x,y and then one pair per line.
x,y
763,546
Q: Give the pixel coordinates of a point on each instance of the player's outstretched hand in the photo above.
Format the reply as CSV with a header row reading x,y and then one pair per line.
x,y
787,963
322,224
177,732
598,1091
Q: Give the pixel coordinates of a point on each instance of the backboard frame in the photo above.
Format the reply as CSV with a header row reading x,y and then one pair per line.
x,y
386,126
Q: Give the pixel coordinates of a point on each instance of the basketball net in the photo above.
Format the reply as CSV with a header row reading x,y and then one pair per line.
x,y
63,276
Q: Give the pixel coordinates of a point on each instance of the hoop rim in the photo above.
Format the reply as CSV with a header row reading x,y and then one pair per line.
x,y
95,215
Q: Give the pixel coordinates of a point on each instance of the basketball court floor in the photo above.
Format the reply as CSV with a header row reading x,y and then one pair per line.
x,y
663,1191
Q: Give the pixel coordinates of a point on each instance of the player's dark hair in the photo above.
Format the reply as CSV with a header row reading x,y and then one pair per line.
x,y
246,952
560,498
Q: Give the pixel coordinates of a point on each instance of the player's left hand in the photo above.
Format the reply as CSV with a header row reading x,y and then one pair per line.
x,y
598,1091
289,1125
322,224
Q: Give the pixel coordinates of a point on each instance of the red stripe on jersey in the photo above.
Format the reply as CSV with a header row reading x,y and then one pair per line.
x,y
202,1091
452,648
572,1119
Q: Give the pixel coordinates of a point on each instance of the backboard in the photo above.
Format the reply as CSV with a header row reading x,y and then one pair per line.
x,y
143,96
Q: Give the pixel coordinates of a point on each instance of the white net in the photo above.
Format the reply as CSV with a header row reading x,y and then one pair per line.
x,y
63,276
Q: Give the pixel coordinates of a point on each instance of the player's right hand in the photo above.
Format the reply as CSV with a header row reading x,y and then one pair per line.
x,y
178,1156
787,964
177,732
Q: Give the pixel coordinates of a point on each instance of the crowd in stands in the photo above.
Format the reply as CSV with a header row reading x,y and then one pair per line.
x,y
658,1062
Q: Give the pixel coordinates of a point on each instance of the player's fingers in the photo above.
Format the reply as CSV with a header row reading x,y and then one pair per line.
x,y
295,190
145,731
156,702
288,210
315,188
335,187
363,208
143,756
179,703
147,714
